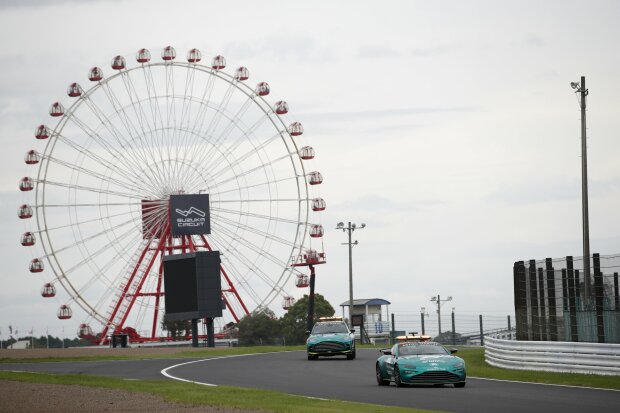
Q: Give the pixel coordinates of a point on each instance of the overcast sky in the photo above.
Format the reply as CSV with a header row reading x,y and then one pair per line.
x,y
449,128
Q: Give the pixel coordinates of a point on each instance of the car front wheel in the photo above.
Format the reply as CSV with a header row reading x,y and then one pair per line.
x,y
459,384
397,380
380,380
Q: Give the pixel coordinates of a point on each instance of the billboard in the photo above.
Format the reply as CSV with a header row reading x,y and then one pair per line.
x,y
192,284
189,214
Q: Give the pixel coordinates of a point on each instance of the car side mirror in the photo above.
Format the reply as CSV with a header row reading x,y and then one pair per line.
x,y
453,350
307,332
386,351
353,331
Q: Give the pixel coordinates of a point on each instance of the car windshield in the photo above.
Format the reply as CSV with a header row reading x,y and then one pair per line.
x,y
327,328
418,349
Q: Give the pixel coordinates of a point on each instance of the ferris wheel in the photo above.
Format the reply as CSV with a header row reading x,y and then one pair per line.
x,y
99,203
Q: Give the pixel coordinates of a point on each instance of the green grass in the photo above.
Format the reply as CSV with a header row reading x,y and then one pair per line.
x,y
195,394
199,353
477,367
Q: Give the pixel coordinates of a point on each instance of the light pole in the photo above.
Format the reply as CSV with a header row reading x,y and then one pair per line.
x,y
582,92
423,314
349,229
439,301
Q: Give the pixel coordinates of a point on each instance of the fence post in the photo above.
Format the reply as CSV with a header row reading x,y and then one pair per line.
x,y
481,332
616,297
572,307
598,297
534,301
520,300
553,317
422,317
509,327
542,304
453,330
393,331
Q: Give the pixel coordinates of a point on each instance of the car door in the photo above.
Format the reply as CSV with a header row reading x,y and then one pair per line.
x,y
391,360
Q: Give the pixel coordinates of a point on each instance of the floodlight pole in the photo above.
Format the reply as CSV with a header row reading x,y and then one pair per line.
x,y
439,301
583,92
349,229
310,321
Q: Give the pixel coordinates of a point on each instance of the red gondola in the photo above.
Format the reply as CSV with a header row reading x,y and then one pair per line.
x,y
143,56
242,73
316,231
36,265
295,128
28,239
194,56
24,211
48,290
281,107
218,62
42,132
315,178
74,90
306,153
32,157
118,63
95,74
57,109
318,204
26,184
168,54
262,89
64,312
302,281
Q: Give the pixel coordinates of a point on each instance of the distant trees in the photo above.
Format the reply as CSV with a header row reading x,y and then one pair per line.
x,y
177,328
262,327
259,328
294,321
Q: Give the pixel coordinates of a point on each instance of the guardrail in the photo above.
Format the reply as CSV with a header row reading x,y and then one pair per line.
x,y
564,357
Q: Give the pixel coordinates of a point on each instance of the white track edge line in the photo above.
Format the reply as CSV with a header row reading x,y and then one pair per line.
x,y
544,384
170,376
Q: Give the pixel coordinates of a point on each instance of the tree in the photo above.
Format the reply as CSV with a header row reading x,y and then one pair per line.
x,y
259,328
177,328
295,320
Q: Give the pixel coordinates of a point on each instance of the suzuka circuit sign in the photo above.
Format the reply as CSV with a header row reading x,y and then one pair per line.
x,y
189,214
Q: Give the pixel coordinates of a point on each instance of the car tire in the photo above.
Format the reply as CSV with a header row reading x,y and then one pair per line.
x,y
462,384
312,357
380,380
350,356
397,380
354,353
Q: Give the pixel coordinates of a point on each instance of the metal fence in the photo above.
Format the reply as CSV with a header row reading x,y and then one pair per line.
x,y
551,303
454,328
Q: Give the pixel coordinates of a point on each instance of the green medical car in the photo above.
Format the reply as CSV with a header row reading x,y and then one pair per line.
x,y
331,336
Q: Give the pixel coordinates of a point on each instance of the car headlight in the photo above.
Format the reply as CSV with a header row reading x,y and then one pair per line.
x,y
459,365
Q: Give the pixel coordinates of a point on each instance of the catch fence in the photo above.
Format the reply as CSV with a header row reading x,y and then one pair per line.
x,y
551,303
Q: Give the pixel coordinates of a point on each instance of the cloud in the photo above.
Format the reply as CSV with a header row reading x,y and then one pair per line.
x,y
375,203
376,51
433,51
533,40
384,113
31,4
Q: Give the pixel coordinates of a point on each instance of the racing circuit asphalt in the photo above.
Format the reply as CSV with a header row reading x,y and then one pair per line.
x,y
338,378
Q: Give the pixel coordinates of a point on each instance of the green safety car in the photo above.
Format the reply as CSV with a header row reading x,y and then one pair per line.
x,y
331,337
420,362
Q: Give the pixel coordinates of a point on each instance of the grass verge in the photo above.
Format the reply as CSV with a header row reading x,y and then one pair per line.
x,y
221,396
199,353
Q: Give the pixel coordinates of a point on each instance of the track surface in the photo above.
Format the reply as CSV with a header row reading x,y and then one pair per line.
x,y
338,378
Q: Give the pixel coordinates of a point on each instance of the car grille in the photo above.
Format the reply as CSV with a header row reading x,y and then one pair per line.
x,y
329,346
432,376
